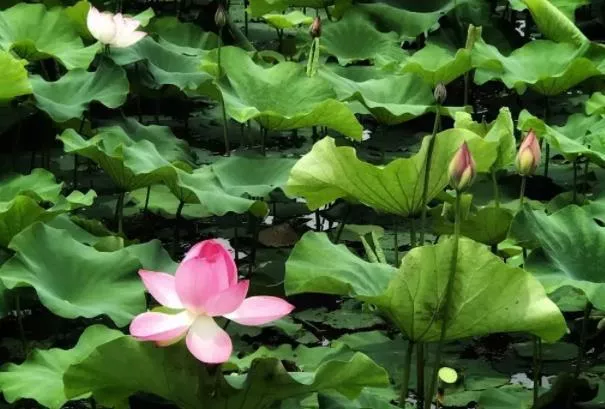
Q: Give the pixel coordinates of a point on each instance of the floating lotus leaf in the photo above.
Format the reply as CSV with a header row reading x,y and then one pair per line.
x,y
125,366
45,369
281,97
288,20
570,250
555,19
531,66
259,7
25,199
68,97
133,155
573,140
35,33
489,296
436,63
330,172
162,65
391,99
51,261
14,81
182,38
355,38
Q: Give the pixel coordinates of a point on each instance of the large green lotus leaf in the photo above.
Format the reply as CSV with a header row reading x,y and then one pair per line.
x,y
14,81
289,20
122,367
500,130
330,172
259,7
255,176
40,184
281,97
489,295
573,140
532,66
355,38
164,65
133,155
183,38
553,21
571,251
74,280
202,187
35,33
45,369
488,225
567,7
391,99
68,97
595,104
163,202
317,265
438,64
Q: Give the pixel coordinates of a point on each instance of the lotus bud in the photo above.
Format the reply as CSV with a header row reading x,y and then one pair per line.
x,y
315,29
440,93
220,17
462,169
528,157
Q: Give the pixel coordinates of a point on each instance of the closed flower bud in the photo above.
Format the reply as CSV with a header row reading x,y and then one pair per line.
x,y
220,17
462,169
528,157
440,93
315,29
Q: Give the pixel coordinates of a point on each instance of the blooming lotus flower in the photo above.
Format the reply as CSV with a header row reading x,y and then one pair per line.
x,y
115,30
205,286
528,157
462,169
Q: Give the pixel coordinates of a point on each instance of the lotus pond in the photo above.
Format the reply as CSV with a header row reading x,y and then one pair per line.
x,y
302,204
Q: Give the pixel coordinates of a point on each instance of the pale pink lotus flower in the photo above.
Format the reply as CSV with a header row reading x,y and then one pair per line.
x,y
113,29
529,155
205,286
462,169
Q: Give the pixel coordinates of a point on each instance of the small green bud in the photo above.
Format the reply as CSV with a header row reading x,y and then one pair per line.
x,y
220,17
440,93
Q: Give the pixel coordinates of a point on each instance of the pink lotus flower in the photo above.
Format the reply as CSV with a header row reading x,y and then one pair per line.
x,y
529,155
205,286
462,169
115,30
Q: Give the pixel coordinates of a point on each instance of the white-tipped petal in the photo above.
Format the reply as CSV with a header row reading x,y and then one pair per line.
x,y
101,25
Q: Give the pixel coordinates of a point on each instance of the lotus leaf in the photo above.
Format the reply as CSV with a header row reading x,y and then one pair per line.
x,y
570,250
436,63
355,38
532,66
68,97
24,200
596,104
391,99
163,202
281,97
488,225
14,81
122,367
489,295
50,261
573,140
330,172
35,33
133,155
259,7
182,38
289,20
45,369
553,19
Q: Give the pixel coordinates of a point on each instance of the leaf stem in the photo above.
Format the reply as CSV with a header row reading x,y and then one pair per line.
x,y
120,212
396,241
19,312
522,192
496,189
413,242
449,291
581,351
574,193
420,374
223,108
177,231
406,374
537,344
547,148
147,196
343,222
427,172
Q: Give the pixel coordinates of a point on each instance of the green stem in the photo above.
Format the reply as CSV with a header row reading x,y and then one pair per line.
x,y
466,87
120,212
396,241
223,108
263,140
537,347
413,242
547,148
496,189
317,220
427,172
147,195
24,342
581,351
574,193
177,231
405,383
449,291
420,374
343,222
255,230
246,4
522,192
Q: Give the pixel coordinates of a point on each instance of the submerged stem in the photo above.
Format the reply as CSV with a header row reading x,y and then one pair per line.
x,y
427,171
449,290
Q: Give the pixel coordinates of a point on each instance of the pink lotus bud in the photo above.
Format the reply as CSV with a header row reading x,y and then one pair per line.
x,y
528,157
315,29
462,169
